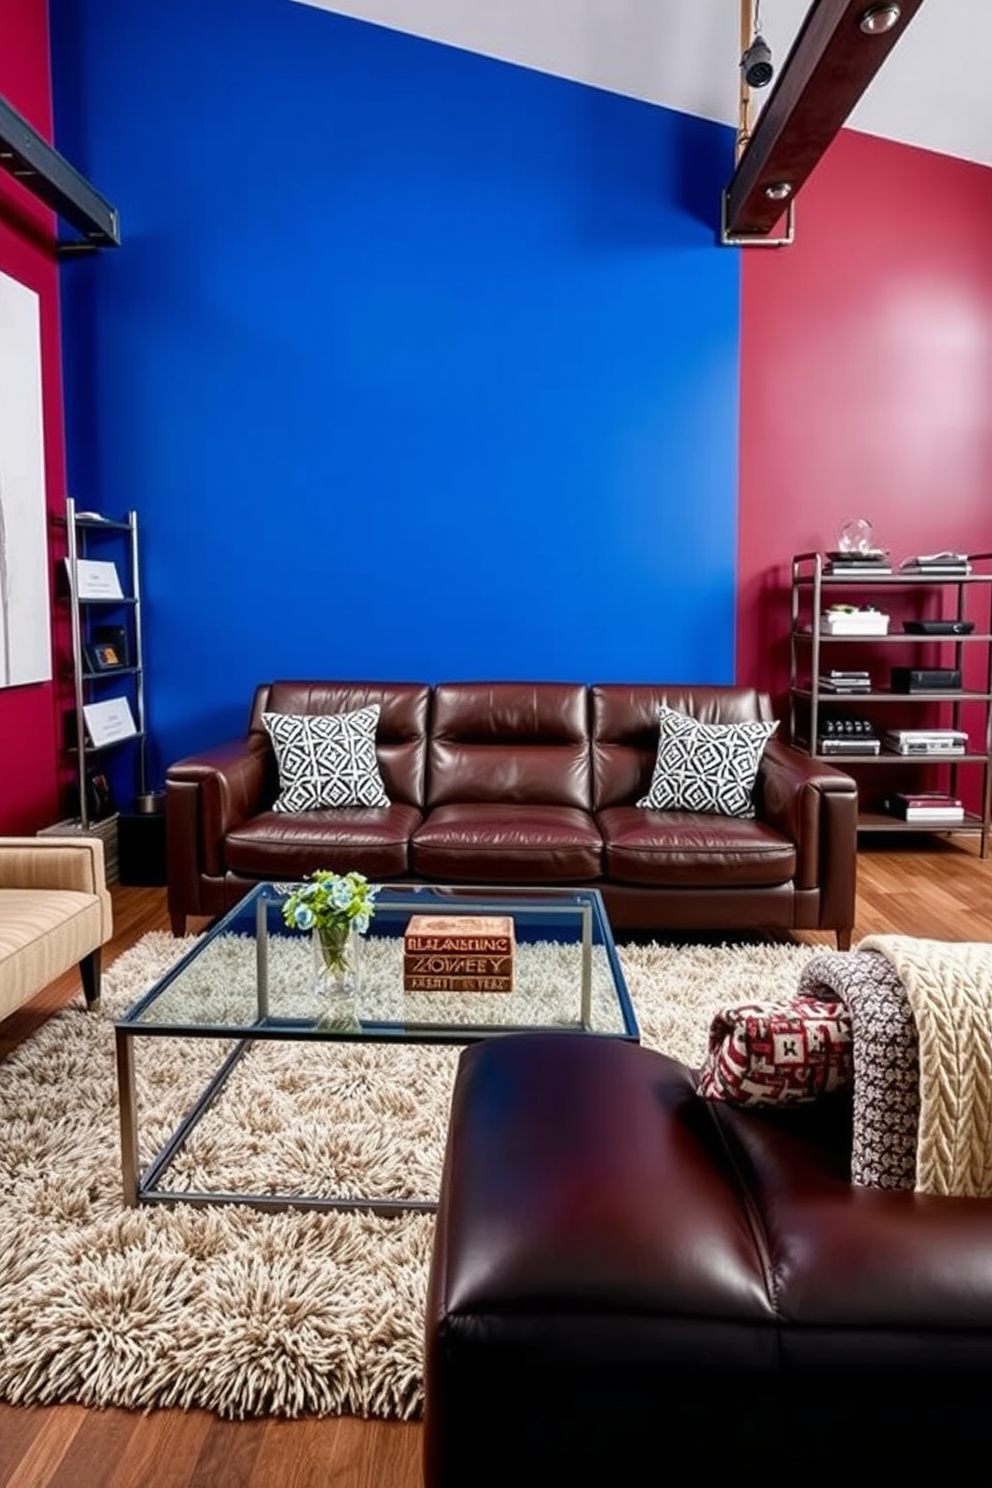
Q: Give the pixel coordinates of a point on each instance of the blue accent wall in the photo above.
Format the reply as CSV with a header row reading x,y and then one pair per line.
x,y
414,364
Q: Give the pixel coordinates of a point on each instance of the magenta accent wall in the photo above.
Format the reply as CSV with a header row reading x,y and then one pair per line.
x,y
29,762
866,376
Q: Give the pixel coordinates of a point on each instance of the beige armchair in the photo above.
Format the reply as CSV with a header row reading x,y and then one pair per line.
x,y
55,912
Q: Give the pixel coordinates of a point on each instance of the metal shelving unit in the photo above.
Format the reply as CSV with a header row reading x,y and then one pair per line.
x,y
117,541
970,599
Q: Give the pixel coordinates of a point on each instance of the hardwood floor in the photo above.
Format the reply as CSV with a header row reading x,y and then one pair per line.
x,y
938,889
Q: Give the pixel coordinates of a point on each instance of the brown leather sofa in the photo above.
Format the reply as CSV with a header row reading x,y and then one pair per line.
x,y
629,1281
524,783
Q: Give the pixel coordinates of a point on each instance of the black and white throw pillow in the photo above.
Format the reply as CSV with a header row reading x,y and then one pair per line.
x,y
709,767
326,759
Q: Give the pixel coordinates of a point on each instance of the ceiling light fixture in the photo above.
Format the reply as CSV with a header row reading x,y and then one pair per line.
x,y
879,18
757,64
778,190
756,59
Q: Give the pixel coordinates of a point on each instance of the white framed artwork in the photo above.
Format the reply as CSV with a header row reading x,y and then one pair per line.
x,y
25,615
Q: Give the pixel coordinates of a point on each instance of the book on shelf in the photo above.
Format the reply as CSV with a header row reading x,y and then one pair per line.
x,y
953,564
835,569
934,818
868,561
837,684
933,806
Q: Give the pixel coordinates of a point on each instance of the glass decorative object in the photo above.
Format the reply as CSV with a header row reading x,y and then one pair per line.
x,y
856,535
337,953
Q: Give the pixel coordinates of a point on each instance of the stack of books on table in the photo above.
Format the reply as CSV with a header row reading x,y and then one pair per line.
x,y
934,807
850,620
458,953
838,680
937,565
867,561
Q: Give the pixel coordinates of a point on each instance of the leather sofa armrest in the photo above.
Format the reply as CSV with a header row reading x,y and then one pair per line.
x,y
207,795
816,806
591,1240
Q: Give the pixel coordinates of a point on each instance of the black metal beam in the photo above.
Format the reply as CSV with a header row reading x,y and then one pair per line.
x,y
828,68
50,177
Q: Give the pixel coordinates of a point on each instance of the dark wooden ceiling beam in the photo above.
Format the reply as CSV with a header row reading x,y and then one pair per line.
x,y
30,159
828,68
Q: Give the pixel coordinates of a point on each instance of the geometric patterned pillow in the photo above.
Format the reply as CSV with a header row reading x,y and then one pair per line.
x,y
326,759
709,767
772,1054
886,1050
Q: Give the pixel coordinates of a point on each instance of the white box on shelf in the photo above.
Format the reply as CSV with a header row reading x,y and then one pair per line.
x,y
855,623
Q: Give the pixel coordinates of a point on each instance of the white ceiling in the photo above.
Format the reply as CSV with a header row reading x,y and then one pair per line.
x,y
933,92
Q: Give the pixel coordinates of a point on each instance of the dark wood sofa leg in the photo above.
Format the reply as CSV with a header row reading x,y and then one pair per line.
x,y
177,920
843,940
89,970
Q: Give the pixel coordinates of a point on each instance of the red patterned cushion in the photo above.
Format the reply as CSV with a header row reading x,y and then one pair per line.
x,y
770,1054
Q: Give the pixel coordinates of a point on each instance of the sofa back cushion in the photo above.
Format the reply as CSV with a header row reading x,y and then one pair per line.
x,y
401,736
624,727
524,742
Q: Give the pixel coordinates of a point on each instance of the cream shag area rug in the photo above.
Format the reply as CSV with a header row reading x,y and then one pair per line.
x,y
229,1309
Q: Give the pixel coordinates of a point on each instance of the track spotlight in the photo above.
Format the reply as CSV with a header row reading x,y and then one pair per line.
x,y
756,64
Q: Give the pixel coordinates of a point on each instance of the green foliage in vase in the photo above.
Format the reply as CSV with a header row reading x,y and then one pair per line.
x,y
328,901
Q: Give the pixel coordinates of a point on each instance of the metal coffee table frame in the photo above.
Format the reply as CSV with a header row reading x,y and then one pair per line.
x,y
143,1186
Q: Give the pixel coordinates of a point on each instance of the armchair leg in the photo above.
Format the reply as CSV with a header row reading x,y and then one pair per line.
x,y
89,970
177,920
843,940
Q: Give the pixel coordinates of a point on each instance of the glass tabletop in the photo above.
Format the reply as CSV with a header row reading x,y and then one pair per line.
x,y
250,975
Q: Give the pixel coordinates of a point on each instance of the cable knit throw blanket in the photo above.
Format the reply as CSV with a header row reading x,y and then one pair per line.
x,y
921,1016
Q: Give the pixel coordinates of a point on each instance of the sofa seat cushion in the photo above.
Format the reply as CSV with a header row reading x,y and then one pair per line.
x,y
43,932
483,842
277,845
687,849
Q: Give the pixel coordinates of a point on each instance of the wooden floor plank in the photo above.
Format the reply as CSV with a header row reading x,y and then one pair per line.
x,y
938,888
229,1452
18,1430
50,1447
103,1437
164,1448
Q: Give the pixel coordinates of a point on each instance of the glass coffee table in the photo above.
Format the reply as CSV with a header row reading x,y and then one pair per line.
x,y
250,979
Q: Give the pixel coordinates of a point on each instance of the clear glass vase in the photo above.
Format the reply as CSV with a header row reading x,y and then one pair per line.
x,y
337,971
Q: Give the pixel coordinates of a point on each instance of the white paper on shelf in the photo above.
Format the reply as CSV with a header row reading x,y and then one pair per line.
x,y
96,579
108,721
